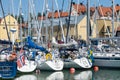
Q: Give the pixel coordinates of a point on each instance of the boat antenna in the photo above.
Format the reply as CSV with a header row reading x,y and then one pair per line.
x,y
68,26
5,22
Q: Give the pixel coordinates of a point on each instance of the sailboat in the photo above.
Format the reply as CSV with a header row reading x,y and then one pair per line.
x,y
8,67
54,64
28,67
106,53
69,52
71,55
45,60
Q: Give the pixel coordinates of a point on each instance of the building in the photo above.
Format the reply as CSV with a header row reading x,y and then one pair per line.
x,y
11,24
100,23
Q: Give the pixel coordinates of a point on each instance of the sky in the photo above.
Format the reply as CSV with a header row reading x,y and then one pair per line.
x,y
13,6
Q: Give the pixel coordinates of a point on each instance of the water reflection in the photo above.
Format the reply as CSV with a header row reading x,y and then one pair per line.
x,y
107,74
60,75
56,76
78,75
26,77
102,74
48,75
84,75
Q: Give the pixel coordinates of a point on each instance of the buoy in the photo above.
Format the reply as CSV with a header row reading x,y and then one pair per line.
x,y
96,68
72,70
37,71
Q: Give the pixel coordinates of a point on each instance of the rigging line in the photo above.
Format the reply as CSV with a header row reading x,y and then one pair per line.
x,y
36,23
20,15
40,23
52,19
5,22
60,16
88,21
94,20
113,18
46,27
34,13
75,26
104,19
13,8
18,10
117,15
29,18
68,26
61,24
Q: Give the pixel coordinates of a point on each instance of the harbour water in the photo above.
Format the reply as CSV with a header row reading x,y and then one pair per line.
x,y
102,74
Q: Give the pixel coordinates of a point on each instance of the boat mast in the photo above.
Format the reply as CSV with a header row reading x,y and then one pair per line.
x,y
68,26
46,8
88,20
112,18
20,21
29,19
5,23
61,24
52,18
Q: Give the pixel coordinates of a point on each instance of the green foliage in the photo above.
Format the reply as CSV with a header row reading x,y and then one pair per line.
x,y
20,19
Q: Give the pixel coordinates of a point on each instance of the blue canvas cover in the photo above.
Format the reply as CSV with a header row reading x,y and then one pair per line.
x,y
31,44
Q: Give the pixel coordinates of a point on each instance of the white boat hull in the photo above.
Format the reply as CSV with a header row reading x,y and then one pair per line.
x,y
78,63
55,65
29,66
108,62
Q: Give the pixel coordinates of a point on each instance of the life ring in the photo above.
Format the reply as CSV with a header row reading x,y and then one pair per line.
x,y
48,56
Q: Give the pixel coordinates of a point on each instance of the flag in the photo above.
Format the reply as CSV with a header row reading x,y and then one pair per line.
x,y
90,54
21,59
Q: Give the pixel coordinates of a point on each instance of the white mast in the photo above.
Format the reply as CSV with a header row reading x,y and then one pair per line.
x,y
13,8
61,24
46,8
88,20
52,18
29,19
20,21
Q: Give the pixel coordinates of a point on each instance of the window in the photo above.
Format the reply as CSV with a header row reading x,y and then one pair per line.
x,y
3,27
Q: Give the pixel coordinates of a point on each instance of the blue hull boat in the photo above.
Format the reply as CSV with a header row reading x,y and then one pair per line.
x,y
8,69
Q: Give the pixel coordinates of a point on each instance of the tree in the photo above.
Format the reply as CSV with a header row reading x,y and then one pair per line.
x,y
20,19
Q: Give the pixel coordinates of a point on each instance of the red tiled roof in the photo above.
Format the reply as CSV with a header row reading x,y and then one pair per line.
x,y
64,14
81,8
92,9
24,25
117,8
103,11
56,15
49,14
